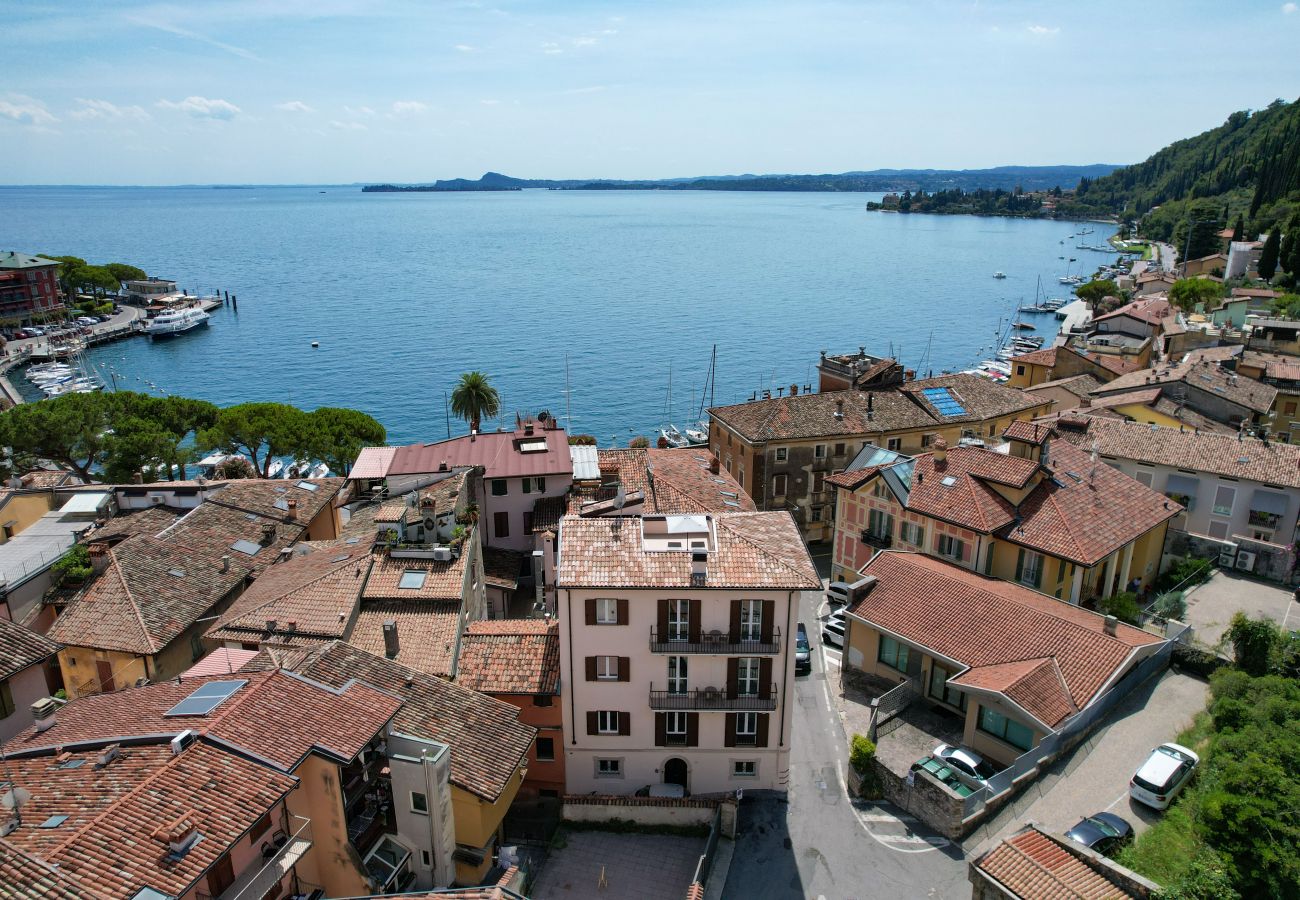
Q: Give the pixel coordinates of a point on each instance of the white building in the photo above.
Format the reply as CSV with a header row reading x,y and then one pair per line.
x,y
676,649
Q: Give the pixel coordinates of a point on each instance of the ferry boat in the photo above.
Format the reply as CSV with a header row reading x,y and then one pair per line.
x,y
999,274
176,321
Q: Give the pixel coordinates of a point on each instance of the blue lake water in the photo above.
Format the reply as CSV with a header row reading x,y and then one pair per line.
x,y
406,291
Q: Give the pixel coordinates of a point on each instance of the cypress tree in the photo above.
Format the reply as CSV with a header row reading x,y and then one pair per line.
x,y
1289,258
1238,227
1268,256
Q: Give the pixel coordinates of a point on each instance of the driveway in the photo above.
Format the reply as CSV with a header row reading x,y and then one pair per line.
x,y
1094,776
635,866
1211,606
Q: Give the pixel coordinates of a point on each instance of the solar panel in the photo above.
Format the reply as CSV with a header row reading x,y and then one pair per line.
x,y
206,698
248,548
942,400
53,822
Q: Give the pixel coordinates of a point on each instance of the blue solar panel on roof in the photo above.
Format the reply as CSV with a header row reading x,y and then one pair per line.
x,y
943,401
206,698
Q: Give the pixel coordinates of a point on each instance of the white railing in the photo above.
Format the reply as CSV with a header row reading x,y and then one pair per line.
x,y
254,883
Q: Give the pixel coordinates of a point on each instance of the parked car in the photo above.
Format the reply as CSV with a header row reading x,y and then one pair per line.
x,y
21,333
33,331
837,592
802,651
1165,772
1103,832
971,768
86,320
833,629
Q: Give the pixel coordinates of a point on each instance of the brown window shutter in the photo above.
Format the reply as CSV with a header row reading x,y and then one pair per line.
x,y
765,627
735,620
733,678
661,729
593,723
692,729
625,668
625,723
591,668
661,625
760,735
591,610
622,610
729,733
694,624
764,676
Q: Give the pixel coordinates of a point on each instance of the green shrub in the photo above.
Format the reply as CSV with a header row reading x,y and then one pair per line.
x,y
1190,569
861,752
73,565
1123,606
1171,605
1254,642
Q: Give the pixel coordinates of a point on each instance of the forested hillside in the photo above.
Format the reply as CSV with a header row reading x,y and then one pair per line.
x,y
1249,166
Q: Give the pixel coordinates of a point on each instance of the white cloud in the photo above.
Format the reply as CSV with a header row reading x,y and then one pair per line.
x,y
202,107
347,126
1044,30
466,48
551,48
103,109
358,110
192,35
296,106
584,41
24,109
408,107
1289,8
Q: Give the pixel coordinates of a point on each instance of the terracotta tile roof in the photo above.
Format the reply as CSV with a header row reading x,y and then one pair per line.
x,y
426,632
501,567
1189,417
981,398
1120,365
1034,866
853,478
1203,376
24,877
670,481
270,498
1045,357
149,521
318,592
1150,309
500,454
548,511
151,591
983,622
222,661
373,462
1275,365
1033,684
279,717
392,512
511,656
1214,354
1263,293
753,550
1079,385
488,742
1140,396
20,648
44,479
442,580
1220,454
108,844
813,415
1027,432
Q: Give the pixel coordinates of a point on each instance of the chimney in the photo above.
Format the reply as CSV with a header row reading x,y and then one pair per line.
x,y
107,755
699,566
270,625
528,427
180,834
940,454
1085,401
268,533
43,711
1109,624
839,409
225,564
391,647
98,558
137,478
292,511
794,390
714,465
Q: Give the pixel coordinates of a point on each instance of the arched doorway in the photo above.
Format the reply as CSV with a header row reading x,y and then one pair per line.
x,y
675,772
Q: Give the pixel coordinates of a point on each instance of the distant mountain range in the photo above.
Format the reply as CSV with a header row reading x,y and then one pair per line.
x,y
1028,178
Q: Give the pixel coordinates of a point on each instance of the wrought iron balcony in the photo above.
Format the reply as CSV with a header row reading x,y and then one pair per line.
x,y
721,643
712,699
883,541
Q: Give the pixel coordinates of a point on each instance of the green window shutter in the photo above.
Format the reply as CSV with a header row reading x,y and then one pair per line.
x,y
1020,563
1038,573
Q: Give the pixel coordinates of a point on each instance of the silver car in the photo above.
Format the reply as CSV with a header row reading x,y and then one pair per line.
x,y
1164,774
970,768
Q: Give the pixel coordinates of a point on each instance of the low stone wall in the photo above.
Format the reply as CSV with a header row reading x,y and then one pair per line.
x,y
649,811
1273,562
932,803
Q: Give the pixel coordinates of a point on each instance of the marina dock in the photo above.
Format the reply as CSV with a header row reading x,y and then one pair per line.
x,y
1075,315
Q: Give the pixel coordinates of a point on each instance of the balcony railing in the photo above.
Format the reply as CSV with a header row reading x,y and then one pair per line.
x,y
883,541
277,861
717,642
714,700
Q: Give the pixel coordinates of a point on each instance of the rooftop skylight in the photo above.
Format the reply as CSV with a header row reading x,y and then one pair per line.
x,y
248,548
412,579
307,486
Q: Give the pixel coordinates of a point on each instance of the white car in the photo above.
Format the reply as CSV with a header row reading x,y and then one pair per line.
x,y
833,629
970,768
1165,772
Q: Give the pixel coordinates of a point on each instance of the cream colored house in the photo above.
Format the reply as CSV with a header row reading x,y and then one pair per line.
x,y
676,639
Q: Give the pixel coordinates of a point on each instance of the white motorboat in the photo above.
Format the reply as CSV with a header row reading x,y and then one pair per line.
x,y
319,471
176,321
999,275
698,436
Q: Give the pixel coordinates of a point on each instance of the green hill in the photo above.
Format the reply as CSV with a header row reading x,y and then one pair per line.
x,y
1248,166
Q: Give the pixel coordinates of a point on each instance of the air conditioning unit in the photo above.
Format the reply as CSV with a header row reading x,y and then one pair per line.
x,y
1245,561
1227,555
183,740
442,554
43,711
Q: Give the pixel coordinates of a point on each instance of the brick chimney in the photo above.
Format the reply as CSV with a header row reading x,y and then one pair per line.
x,y
715,465
98,557
839,409
292,511
391,646
940,454
1085,401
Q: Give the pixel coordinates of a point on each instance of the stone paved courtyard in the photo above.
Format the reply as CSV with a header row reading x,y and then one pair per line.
x,y
637,867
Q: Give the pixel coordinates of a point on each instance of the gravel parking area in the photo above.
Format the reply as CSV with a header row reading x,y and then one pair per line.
x,y
636,866
1210,606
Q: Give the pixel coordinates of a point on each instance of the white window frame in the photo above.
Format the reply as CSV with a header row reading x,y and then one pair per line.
x,y
607,721
678,674
607,668
893,443
747,669
675,725
738,767
606,611
784,482
751,620
747,727
912,533
1032,561
819,451
679,620
782,454
954,544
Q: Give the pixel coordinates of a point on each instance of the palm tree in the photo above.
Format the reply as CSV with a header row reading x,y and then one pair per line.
x,y
473,398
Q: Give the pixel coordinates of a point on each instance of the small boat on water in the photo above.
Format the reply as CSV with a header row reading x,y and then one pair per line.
x,y
999,274
276,467
320,470
1023,326
176,321
698,436
674,438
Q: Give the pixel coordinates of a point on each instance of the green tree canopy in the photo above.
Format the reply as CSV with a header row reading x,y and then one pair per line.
x,y
474,398
1096,289
97,278
71,430
1187,292
260,431
337,436
1268,257
124,272
1238,227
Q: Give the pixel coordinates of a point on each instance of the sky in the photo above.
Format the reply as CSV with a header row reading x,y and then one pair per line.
x,y
342,91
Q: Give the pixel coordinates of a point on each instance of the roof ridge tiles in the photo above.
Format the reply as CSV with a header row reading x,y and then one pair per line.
x,y
723,522
130,599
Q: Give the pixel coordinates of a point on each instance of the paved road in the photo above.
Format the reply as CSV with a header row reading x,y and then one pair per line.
x,y
817,843
124,316
1166,256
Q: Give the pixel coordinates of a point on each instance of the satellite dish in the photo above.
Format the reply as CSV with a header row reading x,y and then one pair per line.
x,y
14,798
620,497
